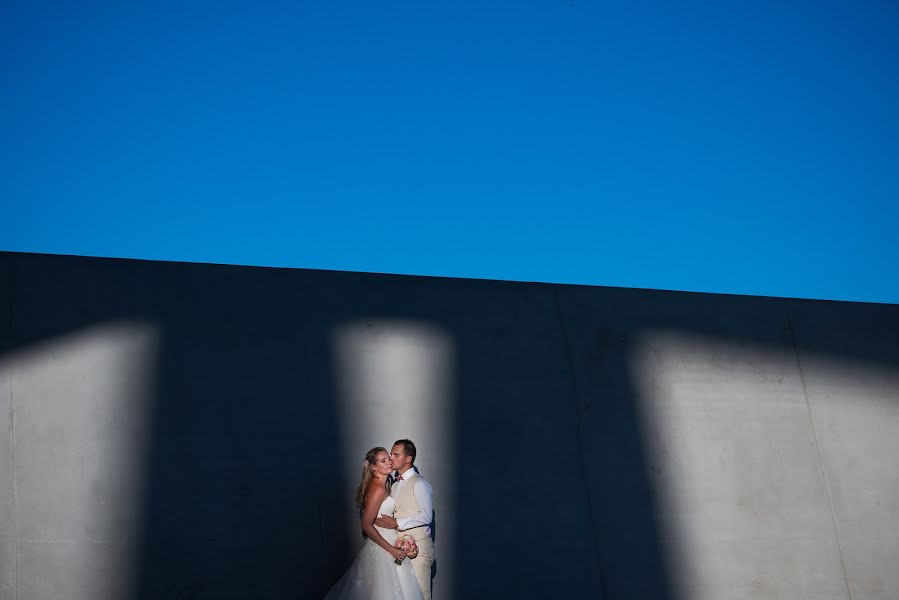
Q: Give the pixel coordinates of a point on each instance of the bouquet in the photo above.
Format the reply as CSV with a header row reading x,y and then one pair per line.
x,y
407,543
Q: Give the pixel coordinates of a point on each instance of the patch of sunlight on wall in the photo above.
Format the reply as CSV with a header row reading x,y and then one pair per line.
x,y
734,467
81,407
396,379
856,410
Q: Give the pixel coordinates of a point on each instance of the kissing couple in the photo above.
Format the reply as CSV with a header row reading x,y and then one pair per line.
x,y
395,503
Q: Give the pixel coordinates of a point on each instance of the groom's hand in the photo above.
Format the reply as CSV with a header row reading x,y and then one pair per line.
x,y
386,521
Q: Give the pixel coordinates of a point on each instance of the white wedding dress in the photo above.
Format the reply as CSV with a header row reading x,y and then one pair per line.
x,y
374,575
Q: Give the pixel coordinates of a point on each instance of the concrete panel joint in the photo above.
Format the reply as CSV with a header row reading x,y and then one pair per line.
x,y
792,332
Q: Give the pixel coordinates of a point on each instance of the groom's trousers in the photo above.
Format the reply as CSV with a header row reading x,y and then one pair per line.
x,y
421,564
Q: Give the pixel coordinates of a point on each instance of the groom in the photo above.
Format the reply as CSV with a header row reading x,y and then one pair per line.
x,y
414,510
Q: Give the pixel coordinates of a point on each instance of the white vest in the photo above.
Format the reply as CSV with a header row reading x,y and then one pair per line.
x,y
407,505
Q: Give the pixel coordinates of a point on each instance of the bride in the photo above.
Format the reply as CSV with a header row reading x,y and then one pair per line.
x,y
374,575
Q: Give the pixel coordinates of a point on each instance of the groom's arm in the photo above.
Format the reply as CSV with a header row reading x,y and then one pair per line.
x,y
422,491
386,521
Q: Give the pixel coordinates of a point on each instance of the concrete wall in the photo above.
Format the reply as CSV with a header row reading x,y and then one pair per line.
x,y
196,431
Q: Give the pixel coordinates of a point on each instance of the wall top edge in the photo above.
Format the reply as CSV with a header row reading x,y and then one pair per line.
x,y
8,254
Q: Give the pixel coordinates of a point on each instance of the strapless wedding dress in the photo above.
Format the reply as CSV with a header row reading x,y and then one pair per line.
x,y
374,575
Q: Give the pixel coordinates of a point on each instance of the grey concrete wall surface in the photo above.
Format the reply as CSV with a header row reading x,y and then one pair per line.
x,y
178,430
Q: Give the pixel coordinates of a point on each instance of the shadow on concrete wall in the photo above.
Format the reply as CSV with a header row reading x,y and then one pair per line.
x,y
241,502
244,482
243,497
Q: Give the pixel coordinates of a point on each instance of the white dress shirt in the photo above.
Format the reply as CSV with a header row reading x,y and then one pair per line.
x,y
422,491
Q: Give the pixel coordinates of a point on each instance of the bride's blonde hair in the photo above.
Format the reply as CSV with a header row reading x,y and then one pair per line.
x,y
370,458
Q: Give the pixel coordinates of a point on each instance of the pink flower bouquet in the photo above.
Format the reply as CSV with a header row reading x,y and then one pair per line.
x,y
407,543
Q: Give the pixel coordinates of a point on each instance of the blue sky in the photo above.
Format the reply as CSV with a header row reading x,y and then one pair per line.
x,y
737,147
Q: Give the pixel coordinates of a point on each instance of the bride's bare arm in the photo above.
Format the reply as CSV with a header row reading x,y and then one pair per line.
x,y
374,496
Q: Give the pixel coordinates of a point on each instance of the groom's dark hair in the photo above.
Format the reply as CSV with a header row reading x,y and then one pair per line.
x,y
408,448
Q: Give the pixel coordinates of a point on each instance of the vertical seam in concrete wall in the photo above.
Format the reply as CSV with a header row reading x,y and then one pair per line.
x,y
811,419
580,408
12,435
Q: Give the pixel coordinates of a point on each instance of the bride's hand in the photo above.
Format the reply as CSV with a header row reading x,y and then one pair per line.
x,y
398,553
